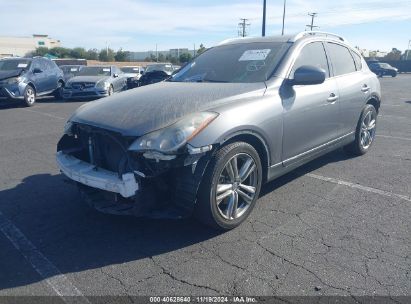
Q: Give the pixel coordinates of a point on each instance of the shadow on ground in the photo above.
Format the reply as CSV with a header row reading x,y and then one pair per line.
x,y
76,238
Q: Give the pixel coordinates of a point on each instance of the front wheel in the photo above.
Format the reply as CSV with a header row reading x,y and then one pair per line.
x,y
365,132
110,90
230,187
29,96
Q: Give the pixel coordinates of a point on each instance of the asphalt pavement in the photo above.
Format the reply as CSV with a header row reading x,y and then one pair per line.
x,y
336,226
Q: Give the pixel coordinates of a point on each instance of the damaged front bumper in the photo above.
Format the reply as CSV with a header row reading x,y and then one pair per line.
x,y
95,177
141,184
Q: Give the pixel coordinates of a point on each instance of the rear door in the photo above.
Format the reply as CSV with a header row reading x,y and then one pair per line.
x,y
352,83
39,78
311,112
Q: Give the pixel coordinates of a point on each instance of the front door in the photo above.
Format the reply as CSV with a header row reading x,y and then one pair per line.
x,y
310,112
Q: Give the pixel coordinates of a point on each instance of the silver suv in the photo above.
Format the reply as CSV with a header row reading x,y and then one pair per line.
x,y
239,115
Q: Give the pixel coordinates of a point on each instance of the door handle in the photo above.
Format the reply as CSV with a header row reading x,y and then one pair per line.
x,y
365,88
332,98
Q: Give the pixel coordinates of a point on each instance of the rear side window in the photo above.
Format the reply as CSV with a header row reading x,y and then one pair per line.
x,y
342,61
312,54
357,61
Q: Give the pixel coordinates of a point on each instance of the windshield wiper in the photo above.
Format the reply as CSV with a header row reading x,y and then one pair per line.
x,y
211,80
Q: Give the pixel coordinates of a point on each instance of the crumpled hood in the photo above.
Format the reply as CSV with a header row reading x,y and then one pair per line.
x,y
145,109
88,79
9,74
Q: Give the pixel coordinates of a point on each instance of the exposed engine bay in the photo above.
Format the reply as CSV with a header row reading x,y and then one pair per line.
x,y
117,180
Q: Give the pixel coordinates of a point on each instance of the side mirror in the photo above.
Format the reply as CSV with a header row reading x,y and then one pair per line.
x,y
141,72
115,75
37,71
308,75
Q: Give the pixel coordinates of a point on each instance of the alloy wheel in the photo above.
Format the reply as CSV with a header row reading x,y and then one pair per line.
x,y
368,127
30,95
237,186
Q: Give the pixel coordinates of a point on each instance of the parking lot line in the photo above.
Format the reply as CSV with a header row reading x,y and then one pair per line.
x,y
360,187
394,137
45,114
46,269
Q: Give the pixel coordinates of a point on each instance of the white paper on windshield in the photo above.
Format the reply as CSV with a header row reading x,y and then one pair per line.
x,y
255,55
22,65
135,69
106,70
73,70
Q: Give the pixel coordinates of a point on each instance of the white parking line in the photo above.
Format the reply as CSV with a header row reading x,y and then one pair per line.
x,y
46,269
394,137
45,114
360,187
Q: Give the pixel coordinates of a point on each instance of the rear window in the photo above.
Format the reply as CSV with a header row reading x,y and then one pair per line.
x,y
342,61
357,61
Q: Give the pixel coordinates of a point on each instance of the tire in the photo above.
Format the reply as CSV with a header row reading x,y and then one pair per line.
x,y
29,96
221,214
58,93
110,90
394,74
366,123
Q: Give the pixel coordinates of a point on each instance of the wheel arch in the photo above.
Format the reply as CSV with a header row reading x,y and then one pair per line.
x,y
33,86
375,101
257,142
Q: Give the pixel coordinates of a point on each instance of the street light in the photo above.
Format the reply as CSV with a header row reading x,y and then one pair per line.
x,y
282,31
264,13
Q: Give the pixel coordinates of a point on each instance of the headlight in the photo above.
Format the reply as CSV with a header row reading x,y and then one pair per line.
x,y
103,84
67,128
13,80
173,137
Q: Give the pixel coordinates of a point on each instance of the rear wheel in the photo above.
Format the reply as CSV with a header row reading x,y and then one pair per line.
x,y
230,187
29,96
58,93
365,132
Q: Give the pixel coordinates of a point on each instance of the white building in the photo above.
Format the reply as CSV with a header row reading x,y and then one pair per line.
x,y
22,46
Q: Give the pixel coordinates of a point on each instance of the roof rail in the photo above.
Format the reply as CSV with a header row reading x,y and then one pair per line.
x,y
316,33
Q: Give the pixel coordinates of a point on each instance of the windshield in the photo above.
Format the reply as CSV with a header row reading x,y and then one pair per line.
x,y
237,63
95,71
130,70
70,69
385,65
13,65
159,67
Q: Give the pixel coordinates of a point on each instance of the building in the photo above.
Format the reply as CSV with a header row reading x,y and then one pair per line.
x,y
23,46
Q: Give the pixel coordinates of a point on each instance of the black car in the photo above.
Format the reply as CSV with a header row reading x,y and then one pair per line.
x,y
26,78
381,69
156,73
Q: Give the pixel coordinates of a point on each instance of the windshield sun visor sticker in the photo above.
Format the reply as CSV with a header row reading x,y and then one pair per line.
x,y
254,55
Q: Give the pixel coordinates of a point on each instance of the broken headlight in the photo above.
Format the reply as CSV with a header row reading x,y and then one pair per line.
x,y
172,138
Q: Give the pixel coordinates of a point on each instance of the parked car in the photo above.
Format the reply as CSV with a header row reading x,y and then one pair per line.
x,y
27,78
381,69
155,73
95,82
241,114
133,74
70,71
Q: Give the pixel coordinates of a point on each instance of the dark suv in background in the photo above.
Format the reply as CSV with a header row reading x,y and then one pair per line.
x,y
26,78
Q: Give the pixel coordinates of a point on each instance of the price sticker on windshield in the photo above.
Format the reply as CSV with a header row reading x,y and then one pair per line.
x,y
106,70
252,55
22,65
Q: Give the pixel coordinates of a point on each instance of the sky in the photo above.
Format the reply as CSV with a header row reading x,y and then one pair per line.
x,y
140,25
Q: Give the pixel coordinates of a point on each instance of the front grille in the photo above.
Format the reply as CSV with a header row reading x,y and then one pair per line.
x,y
82,85
105,149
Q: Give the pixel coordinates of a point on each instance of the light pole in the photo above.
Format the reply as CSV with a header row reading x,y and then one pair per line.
x,y
264,14
282,31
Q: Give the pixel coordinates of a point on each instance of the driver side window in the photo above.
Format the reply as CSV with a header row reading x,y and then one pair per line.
x,y
312,54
